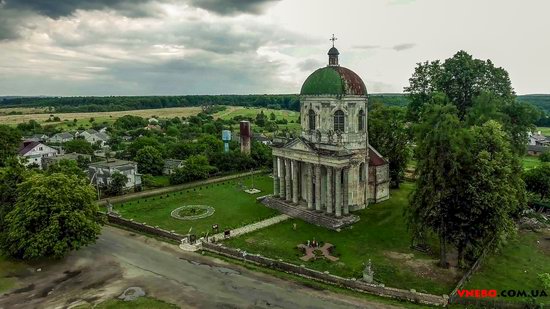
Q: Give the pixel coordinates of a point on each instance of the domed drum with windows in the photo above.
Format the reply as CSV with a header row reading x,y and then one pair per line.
x,y
330,169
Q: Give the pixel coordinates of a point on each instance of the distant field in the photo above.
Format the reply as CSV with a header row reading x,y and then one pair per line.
x,y
253,111
544,130
23,110
100,117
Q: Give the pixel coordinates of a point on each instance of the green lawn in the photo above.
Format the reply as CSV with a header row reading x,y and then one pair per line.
x,y
7,268
544,130
516,265
530,162
381,235
234,208
140,303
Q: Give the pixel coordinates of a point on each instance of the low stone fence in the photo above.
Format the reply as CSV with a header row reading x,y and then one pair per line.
x,y
143,227
325,277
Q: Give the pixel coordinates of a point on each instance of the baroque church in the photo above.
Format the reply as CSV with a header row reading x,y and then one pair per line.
x,y
330,170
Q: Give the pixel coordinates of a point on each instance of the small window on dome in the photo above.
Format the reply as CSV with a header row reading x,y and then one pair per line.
x,y
361,120
311,119
339,121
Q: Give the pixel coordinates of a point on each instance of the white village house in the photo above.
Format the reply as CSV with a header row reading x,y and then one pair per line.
x,y
62,137
33,152
100,173
93,137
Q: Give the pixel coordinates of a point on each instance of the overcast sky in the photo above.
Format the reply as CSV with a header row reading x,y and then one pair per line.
x,y
170,47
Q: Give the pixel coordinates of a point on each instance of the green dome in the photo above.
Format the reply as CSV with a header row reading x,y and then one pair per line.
x,y
333,80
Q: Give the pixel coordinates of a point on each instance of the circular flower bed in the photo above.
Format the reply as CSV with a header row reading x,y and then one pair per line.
x,y
192,212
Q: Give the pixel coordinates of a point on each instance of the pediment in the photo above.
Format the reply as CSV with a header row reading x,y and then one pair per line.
x,y
298,144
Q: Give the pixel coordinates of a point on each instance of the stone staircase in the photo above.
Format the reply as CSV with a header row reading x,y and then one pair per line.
x,y
311,216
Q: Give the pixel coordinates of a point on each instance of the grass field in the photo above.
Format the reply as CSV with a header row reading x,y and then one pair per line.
x,y
234,208
140,303
516,265
530,162
544,130
100,117
253,111
8,267
381,235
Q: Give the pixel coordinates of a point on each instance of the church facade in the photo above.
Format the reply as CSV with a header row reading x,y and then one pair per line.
x,y
330,169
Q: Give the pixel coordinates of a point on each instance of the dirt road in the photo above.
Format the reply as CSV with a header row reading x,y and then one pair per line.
x,y
121,259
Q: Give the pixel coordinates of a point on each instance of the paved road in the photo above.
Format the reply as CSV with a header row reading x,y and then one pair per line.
x,y
121,259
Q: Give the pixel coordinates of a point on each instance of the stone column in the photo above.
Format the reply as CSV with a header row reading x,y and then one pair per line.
x,y
275,176
295,181
318,187
288,179
330,185
309,184
345,192
282,186
338,191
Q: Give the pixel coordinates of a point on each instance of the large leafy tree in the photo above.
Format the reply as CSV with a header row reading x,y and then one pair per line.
x,y
10,139
194,168
489,193
461,78
67,167
389,134
78,145
440,147
10,176
537,181
117,184
478,89
149,161
53,215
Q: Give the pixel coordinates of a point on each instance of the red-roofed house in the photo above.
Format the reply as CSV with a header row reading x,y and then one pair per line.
x,y
32,153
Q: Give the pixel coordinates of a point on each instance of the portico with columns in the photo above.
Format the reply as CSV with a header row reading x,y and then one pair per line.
x,y
325,171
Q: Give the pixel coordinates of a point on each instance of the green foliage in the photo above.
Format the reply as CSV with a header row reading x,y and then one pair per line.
x,y
537,181
149,161
142,142
67,167
545,279
30,127
117,184
10,177
461,78
130,122
440,147
196,167
389,135
53,215
467,190
78,145
489,193
545,157
10,139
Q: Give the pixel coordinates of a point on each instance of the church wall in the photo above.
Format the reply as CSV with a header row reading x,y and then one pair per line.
x,y
324,109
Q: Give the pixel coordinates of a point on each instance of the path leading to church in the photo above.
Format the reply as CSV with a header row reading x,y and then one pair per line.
x,y
121,259
252,227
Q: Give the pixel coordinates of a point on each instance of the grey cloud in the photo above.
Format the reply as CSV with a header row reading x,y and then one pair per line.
x,y
309,65
404,46
59,8
366,47
231,7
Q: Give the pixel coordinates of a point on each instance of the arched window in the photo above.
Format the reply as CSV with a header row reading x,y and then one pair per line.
x,y
362,172
311,117
361,120
339,121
